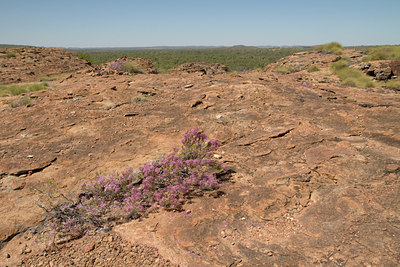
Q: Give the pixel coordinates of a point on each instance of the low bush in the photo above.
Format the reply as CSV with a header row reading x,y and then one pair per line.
x,y
383,53
131,194
334,47
17,89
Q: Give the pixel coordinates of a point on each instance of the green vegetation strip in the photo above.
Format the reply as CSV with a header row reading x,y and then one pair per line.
x,y
17,89
235,58
383,53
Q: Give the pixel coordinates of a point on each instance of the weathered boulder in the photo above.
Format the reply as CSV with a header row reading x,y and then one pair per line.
x,y
381,70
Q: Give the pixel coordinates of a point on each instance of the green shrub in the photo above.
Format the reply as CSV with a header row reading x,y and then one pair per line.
x,y
383,53
17,89
333,47
283,69
350,76
85,56
131,67
313,68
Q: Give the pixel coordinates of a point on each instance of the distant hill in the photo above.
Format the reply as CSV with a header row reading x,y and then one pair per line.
x,y
11,46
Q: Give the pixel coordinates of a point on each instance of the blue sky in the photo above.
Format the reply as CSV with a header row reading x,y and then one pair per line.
x,y
122,23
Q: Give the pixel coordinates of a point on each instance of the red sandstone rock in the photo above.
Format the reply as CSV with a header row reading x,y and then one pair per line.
x,y
314,183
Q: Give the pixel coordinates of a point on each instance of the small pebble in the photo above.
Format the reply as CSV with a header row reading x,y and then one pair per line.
x,y
223,234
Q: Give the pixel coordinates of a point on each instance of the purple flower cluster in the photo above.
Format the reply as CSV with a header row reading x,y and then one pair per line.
x,y
130,194
118,65
164,183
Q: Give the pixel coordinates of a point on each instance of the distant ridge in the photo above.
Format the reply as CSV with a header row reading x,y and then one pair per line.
x,y
126,48
12,46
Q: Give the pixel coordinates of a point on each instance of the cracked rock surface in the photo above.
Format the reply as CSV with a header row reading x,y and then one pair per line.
x,y
315,165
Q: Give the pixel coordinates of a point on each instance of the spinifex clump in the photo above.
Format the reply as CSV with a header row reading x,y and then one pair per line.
x,y
130,194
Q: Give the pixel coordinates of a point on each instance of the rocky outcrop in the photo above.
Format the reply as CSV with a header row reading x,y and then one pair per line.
x,y
29,64
304,60
381,70
204,68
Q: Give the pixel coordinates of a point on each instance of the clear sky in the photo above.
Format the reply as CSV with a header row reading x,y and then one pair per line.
x,y
123,23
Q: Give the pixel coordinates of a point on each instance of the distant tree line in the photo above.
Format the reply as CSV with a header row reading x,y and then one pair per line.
x,y
235,58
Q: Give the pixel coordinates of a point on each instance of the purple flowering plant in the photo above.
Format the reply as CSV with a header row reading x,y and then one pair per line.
x,y
118,65
167,182
123,65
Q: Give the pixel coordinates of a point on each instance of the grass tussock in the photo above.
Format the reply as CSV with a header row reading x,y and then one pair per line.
x,y
9,54
17,89
132,68
350,76
334,47
393,84
383,53
313,68
24,101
